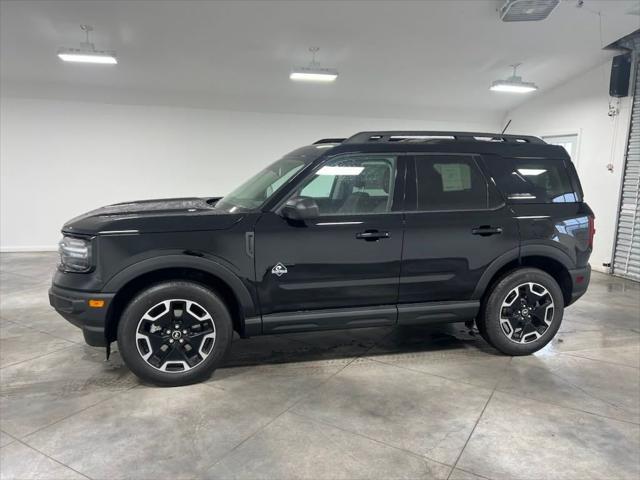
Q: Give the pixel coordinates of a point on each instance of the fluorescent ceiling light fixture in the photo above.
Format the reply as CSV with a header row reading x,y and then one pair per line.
x,y
513,84
504,86
306,74
531,172
521,196
87,52
352,171
80,56
314,72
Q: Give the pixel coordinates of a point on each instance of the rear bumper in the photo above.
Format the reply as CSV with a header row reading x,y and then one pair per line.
x,y
579,282
74,307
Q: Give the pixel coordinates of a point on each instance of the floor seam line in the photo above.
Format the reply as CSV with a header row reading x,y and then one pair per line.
x,y
36,329
23,275
252,435
40,356
292,405
455,464
24,437
13,439
473,473
584,391
53,459
358,434
565,406
427,373
570,354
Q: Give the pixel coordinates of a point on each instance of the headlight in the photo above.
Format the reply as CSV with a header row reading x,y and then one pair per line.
x,y
75,254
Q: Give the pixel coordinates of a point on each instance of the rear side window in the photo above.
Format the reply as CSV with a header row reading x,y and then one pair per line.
x,y
449,182
526,180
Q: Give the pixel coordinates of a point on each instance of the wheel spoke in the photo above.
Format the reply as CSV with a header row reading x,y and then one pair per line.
x,y
160,355
191,359
540,311
530,297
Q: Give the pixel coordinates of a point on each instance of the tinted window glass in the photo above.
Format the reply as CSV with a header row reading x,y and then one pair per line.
x,y
526,180
450,182
259,188
352,185
320,187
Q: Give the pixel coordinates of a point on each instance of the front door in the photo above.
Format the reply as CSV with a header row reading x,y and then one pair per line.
x,y
456,226
346,258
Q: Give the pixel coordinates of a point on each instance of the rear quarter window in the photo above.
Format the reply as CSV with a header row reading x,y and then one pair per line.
x,y
533,180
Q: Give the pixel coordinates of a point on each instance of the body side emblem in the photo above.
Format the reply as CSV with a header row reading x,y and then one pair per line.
x,y
279,269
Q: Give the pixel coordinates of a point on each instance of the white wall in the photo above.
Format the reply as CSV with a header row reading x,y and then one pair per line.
x,y
61,158
581,106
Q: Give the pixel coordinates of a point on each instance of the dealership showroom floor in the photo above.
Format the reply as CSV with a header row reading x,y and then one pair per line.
x,y
371,403
178,174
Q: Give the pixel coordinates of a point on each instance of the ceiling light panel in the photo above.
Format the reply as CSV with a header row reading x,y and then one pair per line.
x,y
314,72
308,74
513,87
87,52
87,56
513,84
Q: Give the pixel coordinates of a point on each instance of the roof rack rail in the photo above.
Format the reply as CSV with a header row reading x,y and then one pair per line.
x,y
329,140
437,136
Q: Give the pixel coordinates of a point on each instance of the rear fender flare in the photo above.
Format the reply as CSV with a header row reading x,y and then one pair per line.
x,y
517,254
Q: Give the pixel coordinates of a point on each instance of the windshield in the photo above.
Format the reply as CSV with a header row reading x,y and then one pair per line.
x,y
259,188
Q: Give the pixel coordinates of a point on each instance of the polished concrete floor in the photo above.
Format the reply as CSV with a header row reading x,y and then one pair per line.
x,y
361,404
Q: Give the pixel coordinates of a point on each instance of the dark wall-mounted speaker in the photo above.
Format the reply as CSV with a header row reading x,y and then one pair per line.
x,y
620,73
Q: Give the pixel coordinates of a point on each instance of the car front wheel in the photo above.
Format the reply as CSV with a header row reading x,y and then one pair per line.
x,y
175,333
522,312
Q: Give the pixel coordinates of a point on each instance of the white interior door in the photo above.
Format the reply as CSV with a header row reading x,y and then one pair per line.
x,y
569,142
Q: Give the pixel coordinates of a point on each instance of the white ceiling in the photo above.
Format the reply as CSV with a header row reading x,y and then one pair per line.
x,y
396,59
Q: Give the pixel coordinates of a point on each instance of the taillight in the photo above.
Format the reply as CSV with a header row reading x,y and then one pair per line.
x,y
592,229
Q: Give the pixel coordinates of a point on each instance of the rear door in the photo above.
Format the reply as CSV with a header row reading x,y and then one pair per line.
x,y
456,226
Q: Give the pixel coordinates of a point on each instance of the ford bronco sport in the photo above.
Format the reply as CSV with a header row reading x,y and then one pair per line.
x,y
383,228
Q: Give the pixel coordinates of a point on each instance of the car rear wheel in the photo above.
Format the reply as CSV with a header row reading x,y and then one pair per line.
x,y
175,333
522,312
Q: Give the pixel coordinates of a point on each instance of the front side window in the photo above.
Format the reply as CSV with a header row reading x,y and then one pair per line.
x,y
352,185
449,182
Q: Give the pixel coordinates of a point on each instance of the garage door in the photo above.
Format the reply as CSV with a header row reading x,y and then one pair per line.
x,y
626,261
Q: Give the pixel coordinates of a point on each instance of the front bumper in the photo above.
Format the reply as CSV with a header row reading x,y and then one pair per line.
x,y
74,306
579,282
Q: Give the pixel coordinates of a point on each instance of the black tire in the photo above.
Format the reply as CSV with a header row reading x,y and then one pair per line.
x,y
131,321
490,326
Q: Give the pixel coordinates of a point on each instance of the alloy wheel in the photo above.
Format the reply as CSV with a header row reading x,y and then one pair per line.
x,y
175,335
526,312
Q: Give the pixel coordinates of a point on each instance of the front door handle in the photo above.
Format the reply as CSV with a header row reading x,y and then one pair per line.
x,y
372,235
486,230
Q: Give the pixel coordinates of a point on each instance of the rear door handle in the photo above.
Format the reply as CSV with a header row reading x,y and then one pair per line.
x,y
486,230
372,235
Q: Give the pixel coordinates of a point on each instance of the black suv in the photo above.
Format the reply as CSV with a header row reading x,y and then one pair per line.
x,y
383,228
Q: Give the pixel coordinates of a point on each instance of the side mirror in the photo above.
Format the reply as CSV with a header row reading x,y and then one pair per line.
x,y
300,209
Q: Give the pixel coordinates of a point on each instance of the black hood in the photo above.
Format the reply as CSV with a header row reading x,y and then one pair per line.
x,y
152,216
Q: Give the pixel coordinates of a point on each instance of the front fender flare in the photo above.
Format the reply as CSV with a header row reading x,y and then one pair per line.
x,y
161,262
